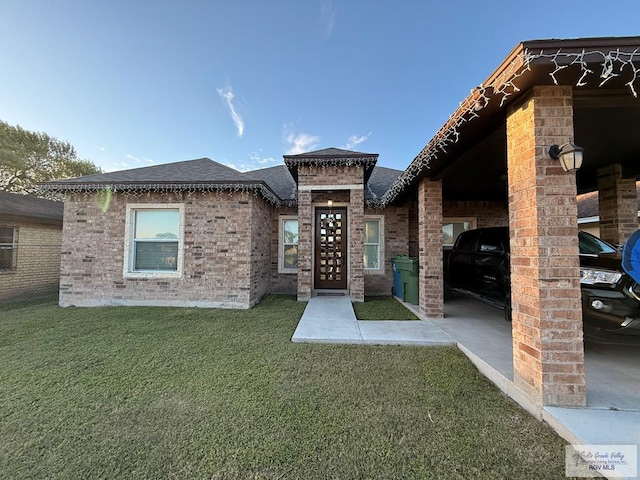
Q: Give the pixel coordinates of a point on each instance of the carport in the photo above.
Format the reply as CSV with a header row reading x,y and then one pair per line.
x,y
490,163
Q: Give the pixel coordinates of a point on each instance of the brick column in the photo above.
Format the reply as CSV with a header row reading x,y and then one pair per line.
x,y
548,355
305,246
356,245
430,248
618,204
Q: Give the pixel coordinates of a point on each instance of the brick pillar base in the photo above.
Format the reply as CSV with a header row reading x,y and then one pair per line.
x,y
430,248
618,204
548,356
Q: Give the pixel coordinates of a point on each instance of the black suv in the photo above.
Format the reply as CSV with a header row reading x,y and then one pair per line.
x,y
478,265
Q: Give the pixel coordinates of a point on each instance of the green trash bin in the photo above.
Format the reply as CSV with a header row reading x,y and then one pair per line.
x,y
408,268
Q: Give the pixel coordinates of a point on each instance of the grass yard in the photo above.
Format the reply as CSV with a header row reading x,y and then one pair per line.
x,y
199,393
382,308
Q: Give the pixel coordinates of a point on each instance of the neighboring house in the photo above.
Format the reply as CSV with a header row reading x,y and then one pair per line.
x,y
588,211
30,239
197,233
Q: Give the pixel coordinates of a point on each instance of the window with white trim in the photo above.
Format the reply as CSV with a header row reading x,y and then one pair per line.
x,y
288,248
8,248
154,240
454,226
373,243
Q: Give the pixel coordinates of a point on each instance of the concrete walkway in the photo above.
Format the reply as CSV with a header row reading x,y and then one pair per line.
x,y
332,320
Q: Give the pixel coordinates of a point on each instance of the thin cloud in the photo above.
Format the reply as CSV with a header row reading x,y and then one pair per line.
x,y
258,158
227,96
327,17
355,140
240,167
299,142
102,149
137,159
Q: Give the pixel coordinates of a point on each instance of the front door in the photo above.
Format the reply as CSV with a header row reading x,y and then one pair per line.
x,y
331,248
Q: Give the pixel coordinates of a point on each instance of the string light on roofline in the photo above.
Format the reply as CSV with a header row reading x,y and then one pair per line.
x,y
147,189
613,63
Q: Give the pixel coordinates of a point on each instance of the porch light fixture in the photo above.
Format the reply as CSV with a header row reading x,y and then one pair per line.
x,y
569,156
329,203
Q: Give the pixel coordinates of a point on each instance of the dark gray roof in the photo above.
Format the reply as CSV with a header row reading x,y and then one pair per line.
x,y
16,205
202,174
331,156
283,184
276,183
279,180
191,171
588,203
380,181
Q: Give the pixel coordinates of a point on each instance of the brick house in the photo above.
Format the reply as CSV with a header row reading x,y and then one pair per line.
x,y
198,233
30,237
333,218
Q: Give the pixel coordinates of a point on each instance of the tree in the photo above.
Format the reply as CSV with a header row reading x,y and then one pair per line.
x,y
28,158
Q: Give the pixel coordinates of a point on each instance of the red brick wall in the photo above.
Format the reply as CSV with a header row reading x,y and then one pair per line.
x,y
414,248
486,213
396,242
430,246
305,246
548,354
617,203
261,231
221,267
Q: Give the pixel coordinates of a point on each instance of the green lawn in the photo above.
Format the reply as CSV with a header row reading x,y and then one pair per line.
x,y
198,393
382,308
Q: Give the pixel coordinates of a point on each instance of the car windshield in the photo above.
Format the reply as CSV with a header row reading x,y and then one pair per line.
x,y
593,245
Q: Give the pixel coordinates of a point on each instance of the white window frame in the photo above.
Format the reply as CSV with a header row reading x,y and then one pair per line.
x,y
281,220
132,208
445,220
380,244
13,246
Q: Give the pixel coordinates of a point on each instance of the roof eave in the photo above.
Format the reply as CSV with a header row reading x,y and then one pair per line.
x,y
260,187
500,84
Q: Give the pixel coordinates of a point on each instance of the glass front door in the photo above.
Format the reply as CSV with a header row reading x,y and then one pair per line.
x,y
331,248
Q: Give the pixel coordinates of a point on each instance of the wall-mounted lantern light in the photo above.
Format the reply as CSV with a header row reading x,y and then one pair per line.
x,y
329,203
569,156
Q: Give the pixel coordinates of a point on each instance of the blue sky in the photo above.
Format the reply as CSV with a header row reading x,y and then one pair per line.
x,y
139,82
